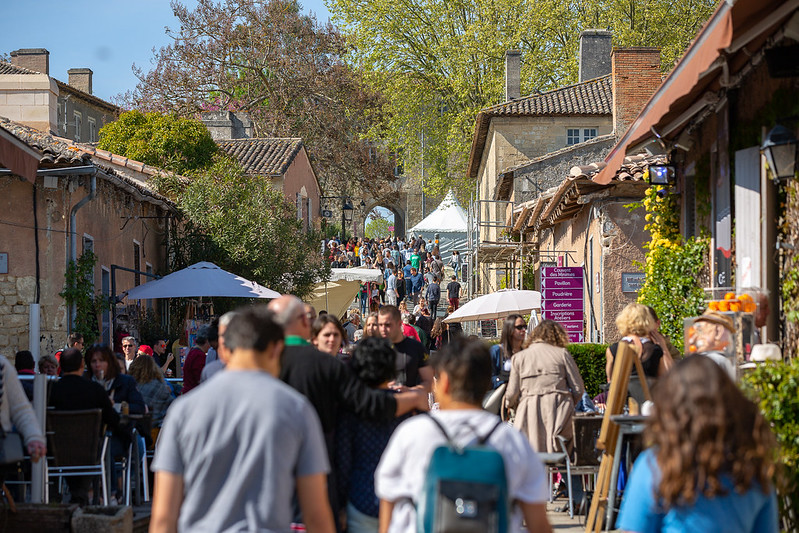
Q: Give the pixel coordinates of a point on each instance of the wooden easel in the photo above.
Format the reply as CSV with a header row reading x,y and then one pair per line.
x,y
626,356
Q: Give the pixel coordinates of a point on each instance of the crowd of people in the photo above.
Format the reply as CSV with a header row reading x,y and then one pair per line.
x,y
412,271
289,420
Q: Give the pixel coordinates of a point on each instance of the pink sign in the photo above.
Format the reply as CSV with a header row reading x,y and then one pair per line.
x,y
562,305
563,293
564,316
561,283
577,337
572,327
562,272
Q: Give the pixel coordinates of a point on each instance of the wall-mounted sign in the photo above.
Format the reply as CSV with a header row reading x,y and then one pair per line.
x,y
632,281
4,263
327,213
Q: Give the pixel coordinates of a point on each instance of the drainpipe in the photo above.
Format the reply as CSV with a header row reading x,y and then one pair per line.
x,y
73,241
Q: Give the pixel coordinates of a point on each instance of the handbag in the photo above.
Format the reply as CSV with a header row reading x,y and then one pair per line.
x,y
10,448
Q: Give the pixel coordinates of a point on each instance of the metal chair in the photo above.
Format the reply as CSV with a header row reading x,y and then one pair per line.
x,y
553,462
75,445
584,458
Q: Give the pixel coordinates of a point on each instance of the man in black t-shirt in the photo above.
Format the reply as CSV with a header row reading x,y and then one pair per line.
x,y
454,293
412,369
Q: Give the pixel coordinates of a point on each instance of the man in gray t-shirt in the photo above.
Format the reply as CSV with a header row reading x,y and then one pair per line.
x,y
232,452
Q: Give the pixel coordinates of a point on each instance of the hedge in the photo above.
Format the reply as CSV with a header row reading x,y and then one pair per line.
x,y
775,388
590,359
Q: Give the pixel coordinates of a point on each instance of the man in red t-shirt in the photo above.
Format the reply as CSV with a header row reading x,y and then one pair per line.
x,y
195,360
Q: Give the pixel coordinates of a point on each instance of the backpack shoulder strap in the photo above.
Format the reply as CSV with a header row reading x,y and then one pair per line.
x,y
440,427
482,440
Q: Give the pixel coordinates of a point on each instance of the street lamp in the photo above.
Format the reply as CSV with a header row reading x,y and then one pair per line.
x,y
779,148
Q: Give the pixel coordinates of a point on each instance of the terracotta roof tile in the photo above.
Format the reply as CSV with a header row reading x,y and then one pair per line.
x,y
592,97
262,157
55,152
8,68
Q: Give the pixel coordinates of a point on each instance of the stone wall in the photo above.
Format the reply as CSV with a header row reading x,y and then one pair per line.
x,y
550,170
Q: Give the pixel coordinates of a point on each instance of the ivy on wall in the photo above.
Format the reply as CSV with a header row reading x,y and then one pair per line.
x,y
79,290
674,266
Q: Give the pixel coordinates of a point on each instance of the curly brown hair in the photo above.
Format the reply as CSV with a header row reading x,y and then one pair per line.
x,y
703,429
549,332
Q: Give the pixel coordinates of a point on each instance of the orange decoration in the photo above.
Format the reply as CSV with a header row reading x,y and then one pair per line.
x,y
724,305
713,305
729,296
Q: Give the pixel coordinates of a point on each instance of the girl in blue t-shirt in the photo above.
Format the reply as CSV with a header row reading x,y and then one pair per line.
x,y
710,466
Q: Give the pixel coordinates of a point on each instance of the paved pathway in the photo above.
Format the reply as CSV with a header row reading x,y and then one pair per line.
x,y
560,522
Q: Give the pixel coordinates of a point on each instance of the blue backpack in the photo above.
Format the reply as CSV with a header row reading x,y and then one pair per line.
x,y
465,489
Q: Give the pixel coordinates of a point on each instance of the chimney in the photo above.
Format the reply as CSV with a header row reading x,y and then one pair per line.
x,y
227,125
81,79
636,76
36,59
595,49
513,75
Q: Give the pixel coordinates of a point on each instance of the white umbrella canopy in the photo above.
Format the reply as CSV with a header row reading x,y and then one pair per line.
x,y
497,305
200,279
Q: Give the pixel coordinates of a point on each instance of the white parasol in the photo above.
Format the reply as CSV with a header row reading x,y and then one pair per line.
x,y
497,305
197,280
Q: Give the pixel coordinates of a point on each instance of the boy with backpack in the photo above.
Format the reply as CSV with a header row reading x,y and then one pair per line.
x,y
460,469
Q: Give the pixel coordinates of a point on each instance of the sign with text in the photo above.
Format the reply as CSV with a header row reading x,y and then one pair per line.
x,y
632,281
562,291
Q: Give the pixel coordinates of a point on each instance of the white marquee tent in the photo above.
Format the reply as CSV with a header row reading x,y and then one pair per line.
x,y
337,294
449,221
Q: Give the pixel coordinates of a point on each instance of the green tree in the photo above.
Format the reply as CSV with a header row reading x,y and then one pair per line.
x,y
243,224
160,140
378,228
284,69
438,62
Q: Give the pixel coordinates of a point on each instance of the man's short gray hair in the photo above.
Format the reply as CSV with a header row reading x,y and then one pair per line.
x,y
130,339
225,319
289,314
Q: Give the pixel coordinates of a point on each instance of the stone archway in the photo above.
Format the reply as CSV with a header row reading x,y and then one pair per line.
x,y
397,211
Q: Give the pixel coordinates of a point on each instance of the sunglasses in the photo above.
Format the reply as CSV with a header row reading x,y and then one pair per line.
x,y
521,327
127,345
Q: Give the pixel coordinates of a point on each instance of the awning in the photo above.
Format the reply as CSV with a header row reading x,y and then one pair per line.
x,y
716,54
18,157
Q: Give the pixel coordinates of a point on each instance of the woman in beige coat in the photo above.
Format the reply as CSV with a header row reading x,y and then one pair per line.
x,y
544,384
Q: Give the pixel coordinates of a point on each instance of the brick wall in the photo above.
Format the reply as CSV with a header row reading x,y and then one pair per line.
x,y
636,76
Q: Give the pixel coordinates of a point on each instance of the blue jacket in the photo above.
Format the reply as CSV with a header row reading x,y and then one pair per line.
x,y
417,282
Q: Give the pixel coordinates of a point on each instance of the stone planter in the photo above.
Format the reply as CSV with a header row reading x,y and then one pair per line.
x,y
95,519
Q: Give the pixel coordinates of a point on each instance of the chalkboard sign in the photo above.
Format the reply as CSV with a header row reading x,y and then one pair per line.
x,y
488,328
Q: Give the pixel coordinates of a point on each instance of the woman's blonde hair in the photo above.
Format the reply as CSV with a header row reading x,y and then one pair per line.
x,y
635,319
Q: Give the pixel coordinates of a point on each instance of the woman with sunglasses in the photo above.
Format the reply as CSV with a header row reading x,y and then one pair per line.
x,y
514,330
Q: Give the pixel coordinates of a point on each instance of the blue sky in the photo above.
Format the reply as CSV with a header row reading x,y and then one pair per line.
x,y
107,36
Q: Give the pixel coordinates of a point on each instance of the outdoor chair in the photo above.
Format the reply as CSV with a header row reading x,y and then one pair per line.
x,y
553,462
584,458
76,447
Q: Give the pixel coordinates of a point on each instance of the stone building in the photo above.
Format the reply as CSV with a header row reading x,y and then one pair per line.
x,y
28,94
714,117
285,163
579,222
77,199
525,146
